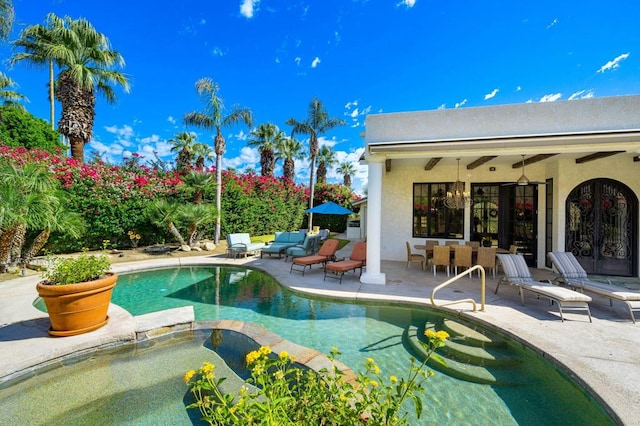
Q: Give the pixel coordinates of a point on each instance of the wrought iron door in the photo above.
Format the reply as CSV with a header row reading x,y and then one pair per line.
x,y
601,227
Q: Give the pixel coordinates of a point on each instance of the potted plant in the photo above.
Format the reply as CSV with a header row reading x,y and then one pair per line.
x,y
77,293
487,241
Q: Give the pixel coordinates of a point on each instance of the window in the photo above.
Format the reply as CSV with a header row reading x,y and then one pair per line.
x,y
431,218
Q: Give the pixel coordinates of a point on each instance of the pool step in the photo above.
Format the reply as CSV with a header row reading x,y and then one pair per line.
x,y
471,336
492,365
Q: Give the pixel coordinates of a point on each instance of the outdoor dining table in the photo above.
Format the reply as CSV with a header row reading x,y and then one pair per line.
x,y
474,250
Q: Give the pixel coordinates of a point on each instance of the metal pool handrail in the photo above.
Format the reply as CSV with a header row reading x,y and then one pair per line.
x,y
456,278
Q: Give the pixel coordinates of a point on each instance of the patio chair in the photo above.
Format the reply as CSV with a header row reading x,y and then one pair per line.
x,y
574,275
452,243
327,252
357,260
441,257
430,244
487,259
462,257
517,273
414,257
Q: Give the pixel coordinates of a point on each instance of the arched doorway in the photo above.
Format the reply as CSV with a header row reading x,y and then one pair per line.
x,y
601,227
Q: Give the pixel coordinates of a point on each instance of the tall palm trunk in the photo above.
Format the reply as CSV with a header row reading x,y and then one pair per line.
x,y
311,190
289,169
219,150
78,113
52,99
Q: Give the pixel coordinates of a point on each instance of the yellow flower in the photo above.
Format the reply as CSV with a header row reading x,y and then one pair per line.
x,y
189,375
442,335
252,357
264,350
376,369
393,379
373,384
370,360
138,236
292,358
279,375
207,368
430,334
283,355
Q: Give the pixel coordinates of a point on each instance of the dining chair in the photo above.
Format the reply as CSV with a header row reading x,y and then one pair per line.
x,y
474,244
462,257
441,257
414,257
513,249
430,244
487,259
452,243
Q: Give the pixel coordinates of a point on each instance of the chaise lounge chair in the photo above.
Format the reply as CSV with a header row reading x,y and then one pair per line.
x,y
327,252
357,260
574,275
517,273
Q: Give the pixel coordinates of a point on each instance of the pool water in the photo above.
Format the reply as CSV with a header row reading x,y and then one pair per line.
x,y
544,395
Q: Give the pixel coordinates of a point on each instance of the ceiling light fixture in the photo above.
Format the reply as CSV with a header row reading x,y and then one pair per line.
x,y
457,197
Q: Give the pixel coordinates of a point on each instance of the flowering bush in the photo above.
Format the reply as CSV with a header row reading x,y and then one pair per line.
x,y
280,393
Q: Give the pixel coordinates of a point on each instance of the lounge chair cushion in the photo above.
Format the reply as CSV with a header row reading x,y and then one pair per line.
x,y
282,241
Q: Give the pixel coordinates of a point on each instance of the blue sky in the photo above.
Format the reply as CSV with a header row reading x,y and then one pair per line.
x,y
357,56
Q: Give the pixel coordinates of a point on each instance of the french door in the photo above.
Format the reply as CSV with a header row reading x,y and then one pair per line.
x,y
508,214
601,227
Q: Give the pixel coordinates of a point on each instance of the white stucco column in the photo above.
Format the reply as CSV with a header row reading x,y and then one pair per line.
x,y
374,223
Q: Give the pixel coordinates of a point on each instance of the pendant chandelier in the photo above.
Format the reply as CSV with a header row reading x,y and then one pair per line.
x,y
457,197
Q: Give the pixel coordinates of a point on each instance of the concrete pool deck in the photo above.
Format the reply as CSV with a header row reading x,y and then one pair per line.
x,y
603,356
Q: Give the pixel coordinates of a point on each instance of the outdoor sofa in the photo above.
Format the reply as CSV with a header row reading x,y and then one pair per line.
x,y
240,244
282,241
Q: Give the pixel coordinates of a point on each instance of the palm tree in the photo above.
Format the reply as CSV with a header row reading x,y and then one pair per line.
x,y
267,137
289,149
6,18
347,169
213,118
326,158
39,43
163,213
28,198
316,123
196,183
86,59
183,144
203,153
8,97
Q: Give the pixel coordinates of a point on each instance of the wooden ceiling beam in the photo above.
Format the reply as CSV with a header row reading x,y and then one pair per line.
x,y
480,161
432,163
596,156
531,160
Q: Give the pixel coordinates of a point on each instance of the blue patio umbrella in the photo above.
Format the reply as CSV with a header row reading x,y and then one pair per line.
x,y
329,208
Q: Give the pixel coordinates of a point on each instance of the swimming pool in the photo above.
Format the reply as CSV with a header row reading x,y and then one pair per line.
x,y
544,395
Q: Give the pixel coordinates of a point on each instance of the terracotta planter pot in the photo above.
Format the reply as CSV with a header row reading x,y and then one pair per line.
x,y
78,308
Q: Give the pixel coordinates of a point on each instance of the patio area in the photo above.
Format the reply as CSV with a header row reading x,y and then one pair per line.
x,y
602,356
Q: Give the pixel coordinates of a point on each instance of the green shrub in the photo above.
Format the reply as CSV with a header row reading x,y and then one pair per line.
x,y
73,270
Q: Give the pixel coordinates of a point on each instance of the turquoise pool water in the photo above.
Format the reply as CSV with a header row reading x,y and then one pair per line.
x,y
543,394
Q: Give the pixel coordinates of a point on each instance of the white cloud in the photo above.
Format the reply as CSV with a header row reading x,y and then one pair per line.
x,y
461,103
125,131
216,51
518,88
551,97
408,3
582,94
554,22
492,94
442,106
297,60
241,136
315,62
171,119
248,158
354,113
611,65
247,7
